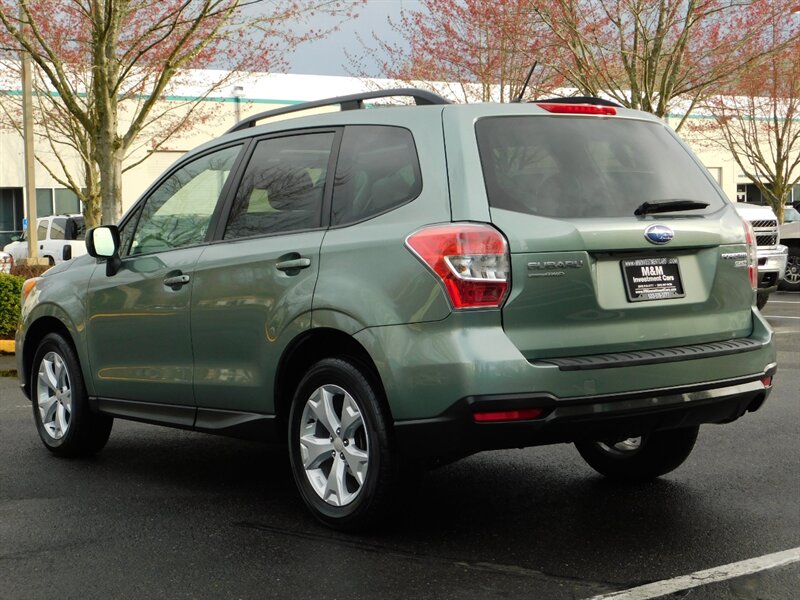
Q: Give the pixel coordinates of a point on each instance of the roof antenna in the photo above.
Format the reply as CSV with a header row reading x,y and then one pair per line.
x,y
525,85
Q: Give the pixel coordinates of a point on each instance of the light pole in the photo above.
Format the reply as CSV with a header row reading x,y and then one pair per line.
x,y
27,135
238,94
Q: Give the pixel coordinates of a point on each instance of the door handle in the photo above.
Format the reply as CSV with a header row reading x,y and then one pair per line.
x,y
176,281
293,264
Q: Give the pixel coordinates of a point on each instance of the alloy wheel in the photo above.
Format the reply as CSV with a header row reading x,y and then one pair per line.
x,y
627,446
54,395
792,275
334,445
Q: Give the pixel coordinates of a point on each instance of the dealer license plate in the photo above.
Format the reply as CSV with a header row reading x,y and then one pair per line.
x,y
652,279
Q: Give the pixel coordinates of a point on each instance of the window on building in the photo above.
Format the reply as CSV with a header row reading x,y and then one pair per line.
x,y
749,192
11,214
44,202
66,202
56,201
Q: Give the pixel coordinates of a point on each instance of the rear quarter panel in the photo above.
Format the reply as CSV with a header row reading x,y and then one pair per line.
x,y
367,276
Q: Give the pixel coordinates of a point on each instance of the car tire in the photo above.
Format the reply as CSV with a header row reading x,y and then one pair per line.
x,y
642,458
65,422
761,299
340,447
791,279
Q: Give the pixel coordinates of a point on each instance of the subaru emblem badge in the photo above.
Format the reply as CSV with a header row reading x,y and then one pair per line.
x,y
659,234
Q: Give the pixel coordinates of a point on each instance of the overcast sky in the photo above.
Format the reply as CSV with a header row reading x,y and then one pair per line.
x,y
327,56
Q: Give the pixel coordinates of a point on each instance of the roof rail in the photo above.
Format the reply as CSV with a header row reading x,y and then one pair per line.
x,y
578,100
351,102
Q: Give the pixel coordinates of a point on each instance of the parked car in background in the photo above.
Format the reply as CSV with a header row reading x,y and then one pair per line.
x,y
790,235
412,285
60,238
771,253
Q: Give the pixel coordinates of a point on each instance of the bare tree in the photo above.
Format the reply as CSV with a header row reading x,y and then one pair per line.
x,y
477,49
758,121
108,64
648,54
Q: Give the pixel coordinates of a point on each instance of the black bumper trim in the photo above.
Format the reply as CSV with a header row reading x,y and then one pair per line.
x,y
649,357
454,433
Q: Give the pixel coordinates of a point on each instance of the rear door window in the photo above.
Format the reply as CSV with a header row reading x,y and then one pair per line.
x,y
572,167
283,187
378,170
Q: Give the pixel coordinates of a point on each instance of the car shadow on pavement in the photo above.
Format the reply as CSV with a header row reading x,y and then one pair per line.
x,y
529,508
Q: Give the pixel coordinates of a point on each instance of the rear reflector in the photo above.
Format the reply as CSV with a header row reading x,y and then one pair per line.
x,y
767,381
579,109
523,414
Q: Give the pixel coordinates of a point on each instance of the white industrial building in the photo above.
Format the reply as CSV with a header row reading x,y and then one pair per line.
x,y
255,93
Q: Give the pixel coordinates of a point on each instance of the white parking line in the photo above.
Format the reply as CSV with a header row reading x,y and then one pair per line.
x,y
784,302
780,317
686,582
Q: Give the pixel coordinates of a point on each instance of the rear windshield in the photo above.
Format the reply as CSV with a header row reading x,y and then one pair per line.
x,y
576,167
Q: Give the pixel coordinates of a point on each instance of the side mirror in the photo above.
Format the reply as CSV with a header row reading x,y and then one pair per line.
x,y
103,242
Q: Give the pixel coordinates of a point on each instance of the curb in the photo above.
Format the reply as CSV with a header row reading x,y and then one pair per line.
x,y
8,346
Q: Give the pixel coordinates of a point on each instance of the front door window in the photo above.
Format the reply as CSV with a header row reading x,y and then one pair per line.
x,y
178,212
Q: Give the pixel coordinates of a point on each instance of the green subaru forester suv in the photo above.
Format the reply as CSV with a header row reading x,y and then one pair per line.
x,y
377,287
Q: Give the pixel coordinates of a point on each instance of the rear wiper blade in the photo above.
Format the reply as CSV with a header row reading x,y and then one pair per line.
x,y
668,206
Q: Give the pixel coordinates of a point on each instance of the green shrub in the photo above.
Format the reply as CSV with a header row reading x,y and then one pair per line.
x,y
10,293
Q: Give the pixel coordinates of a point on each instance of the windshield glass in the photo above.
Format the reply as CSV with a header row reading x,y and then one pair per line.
x,y
572,167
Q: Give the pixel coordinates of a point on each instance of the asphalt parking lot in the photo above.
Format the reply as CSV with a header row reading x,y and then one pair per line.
x,y
170,514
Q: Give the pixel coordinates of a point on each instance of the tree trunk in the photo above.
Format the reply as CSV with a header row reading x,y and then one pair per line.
x,y
109,159
92,210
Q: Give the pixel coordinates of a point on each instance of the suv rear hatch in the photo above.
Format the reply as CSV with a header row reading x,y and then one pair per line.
x,y
588,275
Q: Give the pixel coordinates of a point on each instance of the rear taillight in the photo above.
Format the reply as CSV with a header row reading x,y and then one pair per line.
x,y
752,255
471,259
578,109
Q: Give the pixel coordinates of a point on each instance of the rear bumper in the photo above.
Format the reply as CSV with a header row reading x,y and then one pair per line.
x,y
771,267
456,433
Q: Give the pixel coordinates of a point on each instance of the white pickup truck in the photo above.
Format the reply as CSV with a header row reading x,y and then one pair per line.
x,y
771,253
60,237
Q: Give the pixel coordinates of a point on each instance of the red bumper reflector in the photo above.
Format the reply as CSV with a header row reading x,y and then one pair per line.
x,y
507,415
767,381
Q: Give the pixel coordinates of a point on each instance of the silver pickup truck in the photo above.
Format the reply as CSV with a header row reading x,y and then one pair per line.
x,y
771,253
